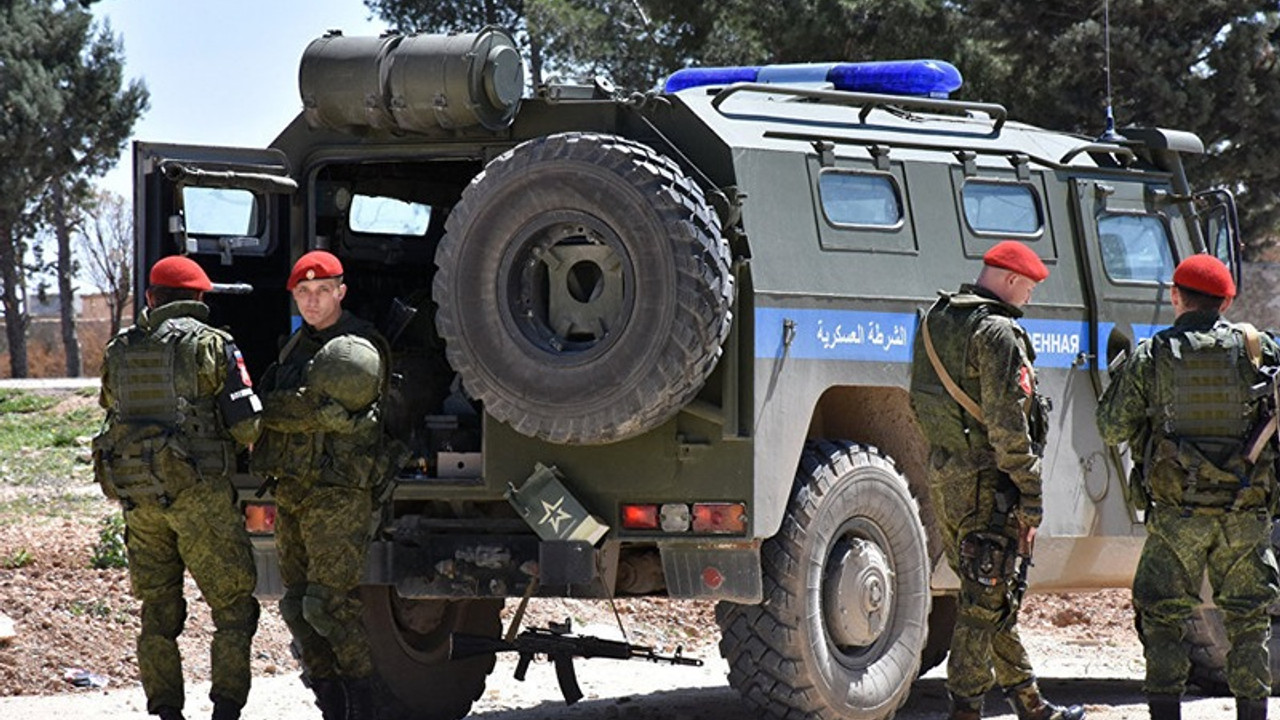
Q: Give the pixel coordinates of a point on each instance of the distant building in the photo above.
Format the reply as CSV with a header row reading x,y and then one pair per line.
x,y
45,353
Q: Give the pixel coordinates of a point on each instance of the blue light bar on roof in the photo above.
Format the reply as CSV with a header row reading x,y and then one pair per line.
x,y
929,78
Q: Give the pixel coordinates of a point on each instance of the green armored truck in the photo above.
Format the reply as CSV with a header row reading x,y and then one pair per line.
x,y
658,344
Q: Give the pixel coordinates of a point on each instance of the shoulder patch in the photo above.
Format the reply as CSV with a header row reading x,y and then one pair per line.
x,y
1026,380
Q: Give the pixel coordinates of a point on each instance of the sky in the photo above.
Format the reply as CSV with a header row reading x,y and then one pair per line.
x,y
220,72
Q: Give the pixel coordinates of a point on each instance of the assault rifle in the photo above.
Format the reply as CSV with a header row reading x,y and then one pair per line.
x,y
560,647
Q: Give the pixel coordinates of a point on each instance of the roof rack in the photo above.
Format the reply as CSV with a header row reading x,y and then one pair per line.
x,y
867,101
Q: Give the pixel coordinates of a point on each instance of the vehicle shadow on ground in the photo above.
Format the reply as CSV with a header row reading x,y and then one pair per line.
x,y
928,700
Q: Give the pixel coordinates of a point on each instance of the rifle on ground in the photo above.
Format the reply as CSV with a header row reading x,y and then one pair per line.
x,y
560,647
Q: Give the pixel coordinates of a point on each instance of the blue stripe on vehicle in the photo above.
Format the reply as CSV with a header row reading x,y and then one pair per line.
x,y
852,335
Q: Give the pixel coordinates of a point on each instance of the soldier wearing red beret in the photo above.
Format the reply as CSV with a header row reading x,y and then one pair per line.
x,y
322,451
1184,404
179,406
973,392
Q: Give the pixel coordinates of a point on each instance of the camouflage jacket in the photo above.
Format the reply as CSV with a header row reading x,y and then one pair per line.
x,y
305,429
989,355
1166,465
212,360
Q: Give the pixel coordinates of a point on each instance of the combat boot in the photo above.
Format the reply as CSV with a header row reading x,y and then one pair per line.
x,y
224,709
331,698
1164,706
169,713
359,699
1251,709
1029,704
965,708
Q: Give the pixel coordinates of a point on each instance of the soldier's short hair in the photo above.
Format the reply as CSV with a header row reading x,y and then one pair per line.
x,y
163,295
1195,300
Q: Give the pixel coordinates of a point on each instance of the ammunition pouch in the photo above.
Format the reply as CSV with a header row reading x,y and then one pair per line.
x,y
1139,494
1038,422
145,464
988,558
1213,475
281,454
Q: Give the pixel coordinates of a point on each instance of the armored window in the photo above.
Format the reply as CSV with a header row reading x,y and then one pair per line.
x,y
220,212
1003,208
1135,247
378,215
860,199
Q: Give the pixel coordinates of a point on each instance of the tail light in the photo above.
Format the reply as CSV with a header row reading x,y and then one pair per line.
x,y
260,518
640,517
711,518
720,518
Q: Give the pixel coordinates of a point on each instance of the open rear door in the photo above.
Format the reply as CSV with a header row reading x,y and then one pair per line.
x,y
230,210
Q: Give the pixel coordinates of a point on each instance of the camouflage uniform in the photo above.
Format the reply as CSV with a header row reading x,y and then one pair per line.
x,y
983,478
178,402
1209,510
320,444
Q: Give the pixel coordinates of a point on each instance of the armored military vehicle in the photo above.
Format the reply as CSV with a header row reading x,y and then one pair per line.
x,y
658,344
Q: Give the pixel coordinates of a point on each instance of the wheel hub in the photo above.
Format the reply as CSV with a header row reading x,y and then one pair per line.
x,y
566,290
858,593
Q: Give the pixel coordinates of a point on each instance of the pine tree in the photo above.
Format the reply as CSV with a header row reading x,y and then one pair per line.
x,y
64,115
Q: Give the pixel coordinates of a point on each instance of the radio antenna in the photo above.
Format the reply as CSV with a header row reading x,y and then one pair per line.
x,y
1109,135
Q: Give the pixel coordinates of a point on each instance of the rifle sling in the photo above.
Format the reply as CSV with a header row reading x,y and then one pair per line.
x,y
1252,343
954,390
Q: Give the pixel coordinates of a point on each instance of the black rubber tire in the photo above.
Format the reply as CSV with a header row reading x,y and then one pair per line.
x,y
782,655
942,625
415,678
630,362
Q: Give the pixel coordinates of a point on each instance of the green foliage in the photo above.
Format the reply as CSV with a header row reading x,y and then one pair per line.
x,y
1210,67
39,445
16,401
109,551
89,608
64,505
1207,67
65,114
17,559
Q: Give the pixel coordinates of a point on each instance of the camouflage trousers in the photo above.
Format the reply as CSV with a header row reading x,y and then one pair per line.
x,y
1235,550
986,649
203,532
322,534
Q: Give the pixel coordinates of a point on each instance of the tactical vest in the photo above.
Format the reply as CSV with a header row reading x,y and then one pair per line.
x,y
1202,411
952,321
162,437
367,459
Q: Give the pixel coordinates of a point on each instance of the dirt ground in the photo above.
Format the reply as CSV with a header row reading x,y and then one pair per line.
x,y
73,654
70,617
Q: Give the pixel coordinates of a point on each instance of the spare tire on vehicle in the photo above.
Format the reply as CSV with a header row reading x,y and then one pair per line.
x,y
584,288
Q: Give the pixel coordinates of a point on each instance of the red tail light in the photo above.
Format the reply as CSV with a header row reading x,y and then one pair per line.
x,y
640,517
720,518
260,518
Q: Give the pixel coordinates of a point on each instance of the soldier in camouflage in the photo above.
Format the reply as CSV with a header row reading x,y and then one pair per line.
x,y
1184,403
321,448
973,392
179,405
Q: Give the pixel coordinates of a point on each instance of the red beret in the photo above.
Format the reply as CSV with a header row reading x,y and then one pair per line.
x,y
315,265
180,272
1205,274
1013,255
